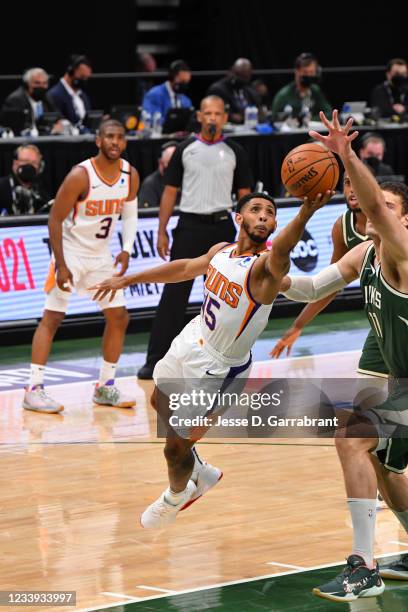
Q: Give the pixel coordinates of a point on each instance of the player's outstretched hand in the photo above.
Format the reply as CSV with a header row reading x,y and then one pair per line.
x,y
321,199
65,279
108,286
123,260
286,342
339,139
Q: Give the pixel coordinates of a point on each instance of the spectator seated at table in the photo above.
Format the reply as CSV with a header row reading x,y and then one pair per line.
x,y
390,98
152,187
171,93
371,152
21,192
31,98
303,98
236,90
68,95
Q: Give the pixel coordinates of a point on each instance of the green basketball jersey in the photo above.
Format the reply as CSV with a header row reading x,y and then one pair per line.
x,y
387,312
351,236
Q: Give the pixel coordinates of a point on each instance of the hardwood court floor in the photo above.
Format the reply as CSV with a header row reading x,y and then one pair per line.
x,y
73,487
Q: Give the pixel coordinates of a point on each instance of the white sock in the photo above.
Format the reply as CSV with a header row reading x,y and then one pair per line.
x,y
403,518
173,498
36,375
363,512
107,372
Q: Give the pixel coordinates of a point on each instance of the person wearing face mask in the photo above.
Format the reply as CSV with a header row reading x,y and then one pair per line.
x,y
171,93
31,98
302,97
236,90
21,192
390,98
68,95
371,152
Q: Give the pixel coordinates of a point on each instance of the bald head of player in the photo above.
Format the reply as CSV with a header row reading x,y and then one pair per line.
x,y
212,117
111,139
256,216
396,198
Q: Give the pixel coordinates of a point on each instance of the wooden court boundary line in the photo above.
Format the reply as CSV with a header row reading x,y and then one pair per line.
x,y
230,583
308,357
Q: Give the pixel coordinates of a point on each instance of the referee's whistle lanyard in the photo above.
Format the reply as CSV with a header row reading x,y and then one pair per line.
x,y
210,142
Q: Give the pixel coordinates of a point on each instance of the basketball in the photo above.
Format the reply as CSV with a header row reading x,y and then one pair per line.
x,y
308,170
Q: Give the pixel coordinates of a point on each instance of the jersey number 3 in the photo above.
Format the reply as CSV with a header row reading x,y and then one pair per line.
x,y
105,227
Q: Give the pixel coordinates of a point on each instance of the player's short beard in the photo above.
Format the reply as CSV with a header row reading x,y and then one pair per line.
x,y
254,237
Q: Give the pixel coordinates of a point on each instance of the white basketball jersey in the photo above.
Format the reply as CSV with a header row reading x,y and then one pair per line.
x,y
89,226
231,320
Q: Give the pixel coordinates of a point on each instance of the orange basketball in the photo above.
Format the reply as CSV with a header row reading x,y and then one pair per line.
x,y
308,170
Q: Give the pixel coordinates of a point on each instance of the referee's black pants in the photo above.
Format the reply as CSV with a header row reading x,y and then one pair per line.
x,y
193,236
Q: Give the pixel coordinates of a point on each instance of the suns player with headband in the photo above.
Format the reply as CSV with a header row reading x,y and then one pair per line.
x,y
243,280
89,202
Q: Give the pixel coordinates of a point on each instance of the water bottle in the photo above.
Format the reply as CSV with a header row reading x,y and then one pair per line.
x,y
147,121
254,117
247,120
157,123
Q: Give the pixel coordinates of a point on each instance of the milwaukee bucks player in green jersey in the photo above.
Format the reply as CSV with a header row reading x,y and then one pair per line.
x,y
348,231
377,461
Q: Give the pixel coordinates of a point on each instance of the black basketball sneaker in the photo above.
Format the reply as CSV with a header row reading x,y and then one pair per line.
x,y
356,580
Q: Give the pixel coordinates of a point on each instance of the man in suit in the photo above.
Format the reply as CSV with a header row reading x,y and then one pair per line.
x,y
236,90
171,93
30,97
68,95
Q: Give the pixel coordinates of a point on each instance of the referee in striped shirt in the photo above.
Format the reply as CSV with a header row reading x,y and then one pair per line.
x,y
208,168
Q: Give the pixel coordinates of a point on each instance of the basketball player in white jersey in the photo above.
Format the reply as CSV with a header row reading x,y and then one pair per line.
x,y
88,204
242,282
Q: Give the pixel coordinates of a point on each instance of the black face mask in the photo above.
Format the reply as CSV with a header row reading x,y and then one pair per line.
x,y
398,80
180,88
79,83
306,80
27,173
373,162
38,93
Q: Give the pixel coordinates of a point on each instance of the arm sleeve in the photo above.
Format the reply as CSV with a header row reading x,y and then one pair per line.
x,y
173,175
129,224
314,288
242,173
151,102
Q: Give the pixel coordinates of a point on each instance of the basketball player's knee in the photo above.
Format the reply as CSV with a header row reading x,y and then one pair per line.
x,y
122,318
52,320
347,447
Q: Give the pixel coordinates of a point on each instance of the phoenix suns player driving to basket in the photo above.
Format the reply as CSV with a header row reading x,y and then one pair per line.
x,y
348,231
374,461
88,204
243,280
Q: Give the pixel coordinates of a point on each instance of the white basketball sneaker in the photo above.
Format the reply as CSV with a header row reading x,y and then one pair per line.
x,y
109,395
36,399
161,513
205,476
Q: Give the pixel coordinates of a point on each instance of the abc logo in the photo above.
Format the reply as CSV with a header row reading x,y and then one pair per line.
x,y
305,254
